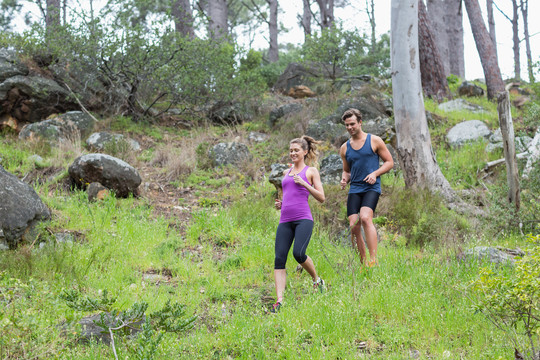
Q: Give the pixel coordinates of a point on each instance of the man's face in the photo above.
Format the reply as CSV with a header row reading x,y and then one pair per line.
x,y
352,125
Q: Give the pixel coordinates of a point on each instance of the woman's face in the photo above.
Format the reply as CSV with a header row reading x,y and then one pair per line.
x,y
296,152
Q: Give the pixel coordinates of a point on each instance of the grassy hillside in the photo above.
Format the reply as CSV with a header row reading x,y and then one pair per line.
x,y
204,238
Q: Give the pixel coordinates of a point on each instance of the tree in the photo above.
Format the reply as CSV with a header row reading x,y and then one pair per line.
x,y
447,20
306,19
524,5
491,23
370,10
326,8
420,168
183,17
515,40
486,50
454,24
431,67
271,21
218,12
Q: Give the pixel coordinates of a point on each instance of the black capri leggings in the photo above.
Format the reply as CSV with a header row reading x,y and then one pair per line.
x,y
300,231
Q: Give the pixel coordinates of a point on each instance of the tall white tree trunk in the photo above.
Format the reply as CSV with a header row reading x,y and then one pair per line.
x,y
420,168
218,12
326,7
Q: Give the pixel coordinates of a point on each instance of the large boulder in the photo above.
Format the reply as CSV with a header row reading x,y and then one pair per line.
x,y
283,111
10,65
276,175
72,125
460,105
327,129
231,153
227,113
468,131
470,89
295,74
331,169
30,99
113,173
21,210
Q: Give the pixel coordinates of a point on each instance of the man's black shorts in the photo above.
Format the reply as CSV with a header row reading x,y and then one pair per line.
x,y
356,201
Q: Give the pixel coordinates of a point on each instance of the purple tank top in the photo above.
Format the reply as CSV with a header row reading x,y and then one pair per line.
x,y
295,198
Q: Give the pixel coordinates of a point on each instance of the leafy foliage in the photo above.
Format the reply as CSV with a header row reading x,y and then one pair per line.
x,y
338,50
511,299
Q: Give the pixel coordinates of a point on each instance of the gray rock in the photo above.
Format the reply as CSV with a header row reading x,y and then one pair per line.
x,y
96,191
257,137
231,153
91,332
467,131
276,174
21,210
100,140
33,98
70,126
10,65
326,129
227,113
111,172
331,169
486,253
282,111
460,105
496,136
470,89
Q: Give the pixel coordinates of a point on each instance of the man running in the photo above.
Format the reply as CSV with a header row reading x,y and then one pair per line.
x,y
360,156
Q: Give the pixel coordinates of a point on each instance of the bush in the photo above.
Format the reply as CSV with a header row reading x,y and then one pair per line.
x,y
511,300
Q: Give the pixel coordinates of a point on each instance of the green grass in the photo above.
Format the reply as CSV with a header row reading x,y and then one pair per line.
x,y
222,271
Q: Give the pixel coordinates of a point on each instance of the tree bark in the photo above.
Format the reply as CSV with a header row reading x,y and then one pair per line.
x,y
420,168
507,130
486,50
454,25
370,10
52,17
326,7
436,11
525,16
491,23
431,67
273,52
306,20
515,40
218,15
183,18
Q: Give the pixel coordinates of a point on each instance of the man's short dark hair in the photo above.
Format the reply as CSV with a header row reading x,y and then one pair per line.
x,y
350,112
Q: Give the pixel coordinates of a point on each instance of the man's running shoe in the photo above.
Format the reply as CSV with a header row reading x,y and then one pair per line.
x,y
275,308
319,285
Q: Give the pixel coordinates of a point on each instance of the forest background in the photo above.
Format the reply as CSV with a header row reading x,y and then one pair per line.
x,y
184,270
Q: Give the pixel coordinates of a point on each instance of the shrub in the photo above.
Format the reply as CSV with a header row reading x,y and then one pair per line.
x,y
511,300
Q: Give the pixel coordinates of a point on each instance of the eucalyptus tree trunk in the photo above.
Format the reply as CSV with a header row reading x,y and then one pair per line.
x,y
306,20
454,26
183,18
218,11
273,52
486,50
436,13
491,23
420,168
515,40
326,8
431,67
525,15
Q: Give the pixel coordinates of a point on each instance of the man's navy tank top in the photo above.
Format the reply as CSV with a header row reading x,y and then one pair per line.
x,y
362,162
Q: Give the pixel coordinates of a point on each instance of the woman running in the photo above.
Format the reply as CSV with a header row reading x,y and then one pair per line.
x,y
296,221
